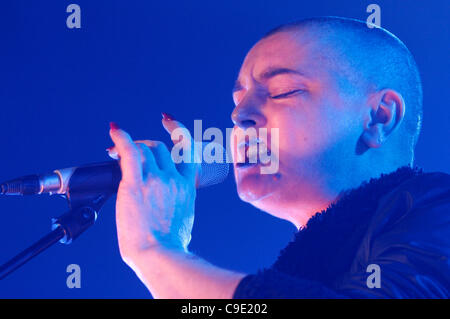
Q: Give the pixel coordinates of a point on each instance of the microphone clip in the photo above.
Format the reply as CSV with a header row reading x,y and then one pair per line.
x,y
84,207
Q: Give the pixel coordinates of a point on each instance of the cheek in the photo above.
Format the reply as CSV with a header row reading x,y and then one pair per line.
x,y
305,133
302,132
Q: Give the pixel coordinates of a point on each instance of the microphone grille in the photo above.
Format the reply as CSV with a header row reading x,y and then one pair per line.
x,y
214,172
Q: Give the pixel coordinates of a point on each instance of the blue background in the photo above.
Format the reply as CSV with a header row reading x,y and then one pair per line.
x,y
60,87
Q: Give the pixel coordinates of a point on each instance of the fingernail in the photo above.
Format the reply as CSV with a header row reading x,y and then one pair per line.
x,y
167,117
113,155
113,126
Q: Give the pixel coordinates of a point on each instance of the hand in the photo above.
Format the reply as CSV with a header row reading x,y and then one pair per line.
x,y
155,201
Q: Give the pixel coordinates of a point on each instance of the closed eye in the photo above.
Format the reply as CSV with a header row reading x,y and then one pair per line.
x,y
287,94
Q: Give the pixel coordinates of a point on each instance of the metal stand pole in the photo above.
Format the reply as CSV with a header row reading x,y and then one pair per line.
x,y
32,251
66,228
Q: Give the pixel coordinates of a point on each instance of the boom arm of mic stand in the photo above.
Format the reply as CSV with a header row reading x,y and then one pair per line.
x,y
30,252
67,227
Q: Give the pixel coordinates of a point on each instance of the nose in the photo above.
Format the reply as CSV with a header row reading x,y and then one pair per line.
x,y
248,114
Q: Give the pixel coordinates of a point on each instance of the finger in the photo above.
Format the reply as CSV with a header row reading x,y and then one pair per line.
x,y
149,166
130,161
112,151
180,135
163,157
149,143
171,125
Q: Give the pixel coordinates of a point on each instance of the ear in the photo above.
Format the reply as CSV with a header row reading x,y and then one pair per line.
x,y
387,110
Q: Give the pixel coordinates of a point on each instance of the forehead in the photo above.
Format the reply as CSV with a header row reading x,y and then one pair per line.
x,y
293,50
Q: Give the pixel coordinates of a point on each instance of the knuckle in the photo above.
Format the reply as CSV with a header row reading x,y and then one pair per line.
x,y
154,146
159,146
149,143
174,185
131,188
143,149
131,150
155,143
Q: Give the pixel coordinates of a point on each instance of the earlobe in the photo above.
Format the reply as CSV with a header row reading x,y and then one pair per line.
x,y
373,136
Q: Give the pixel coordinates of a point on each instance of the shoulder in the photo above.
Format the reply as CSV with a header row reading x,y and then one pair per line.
x,y
409,238
417,211
426,186
416,196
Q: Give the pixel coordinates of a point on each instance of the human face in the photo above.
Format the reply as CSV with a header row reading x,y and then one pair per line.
x,y
288,82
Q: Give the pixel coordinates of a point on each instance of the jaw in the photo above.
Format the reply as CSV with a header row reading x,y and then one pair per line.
x,y
259,190
280,197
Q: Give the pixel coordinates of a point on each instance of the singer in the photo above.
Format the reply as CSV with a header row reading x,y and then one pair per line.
x,y
347,100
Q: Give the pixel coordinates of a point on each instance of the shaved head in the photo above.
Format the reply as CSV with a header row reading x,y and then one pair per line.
x,y
366,59
345,102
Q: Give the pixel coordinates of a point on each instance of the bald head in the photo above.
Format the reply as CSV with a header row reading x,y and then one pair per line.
x,y
343,102
364,60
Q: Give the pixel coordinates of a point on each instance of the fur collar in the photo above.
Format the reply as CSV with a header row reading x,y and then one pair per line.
x,y
326,247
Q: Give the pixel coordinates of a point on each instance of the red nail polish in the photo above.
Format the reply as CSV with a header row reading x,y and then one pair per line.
x,y
167,117
113,126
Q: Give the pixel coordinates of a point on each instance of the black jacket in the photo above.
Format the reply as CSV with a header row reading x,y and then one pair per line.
x,y
400,222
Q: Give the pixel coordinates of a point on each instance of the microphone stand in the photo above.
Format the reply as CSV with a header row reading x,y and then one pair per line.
x,y
84,207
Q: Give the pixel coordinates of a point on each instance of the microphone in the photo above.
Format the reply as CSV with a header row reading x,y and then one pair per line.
x,y
101,177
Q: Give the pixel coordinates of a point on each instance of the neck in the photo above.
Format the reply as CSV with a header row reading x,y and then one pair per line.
x,y
299,213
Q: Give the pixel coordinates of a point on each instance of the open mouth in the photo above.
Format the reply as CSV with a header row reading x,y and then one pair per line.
x,y
242,165
249,151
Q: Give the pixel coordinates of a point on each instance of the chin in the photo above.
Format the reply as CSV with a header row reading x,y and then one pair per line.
x,y
264,196
253,188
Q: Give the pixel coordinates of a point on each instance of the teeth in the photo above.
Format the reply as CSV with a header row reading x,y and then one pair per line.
x,y
252,154
250,143
248,152
241,151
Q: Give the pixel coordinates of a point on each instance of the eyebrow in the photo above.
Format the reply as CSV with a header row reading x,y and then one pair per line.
x,y
269,73
274,71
